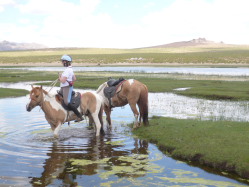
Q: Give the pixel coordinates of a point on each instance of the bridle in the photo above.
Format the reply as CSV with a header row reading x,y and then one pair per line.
x,y
40,103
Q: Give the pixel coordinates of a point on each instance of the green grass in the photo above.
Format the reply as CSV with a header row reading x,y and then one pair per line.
x,y
186,55
7,92
220,144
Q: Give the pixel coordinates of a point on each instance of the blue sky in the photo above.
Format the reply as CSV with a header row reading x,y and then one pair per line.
x,y
122,23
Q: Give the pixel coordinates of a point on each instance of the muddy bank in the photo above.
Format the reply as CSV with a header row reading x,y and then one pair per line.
x,y
198,160
222,168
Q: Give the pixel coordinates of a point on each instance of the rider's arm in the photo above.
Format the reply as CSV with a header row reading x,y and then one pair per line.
x,y
62,79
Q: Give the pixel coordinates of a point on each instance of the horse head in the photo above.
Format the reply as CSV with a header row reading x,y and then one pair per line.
x,y
36,98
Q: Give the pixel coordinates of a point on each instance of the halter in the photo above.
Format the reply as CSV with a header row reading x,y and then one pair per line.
x,y
41,102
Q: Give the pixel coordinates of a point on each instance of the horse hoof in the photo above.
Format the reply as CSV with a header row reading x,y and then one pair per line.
x,y
102,132
135,127
56,136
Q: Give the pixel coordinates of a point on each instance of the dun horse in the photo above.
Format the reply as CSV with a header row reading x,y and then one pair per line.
x,y
132,92
56,115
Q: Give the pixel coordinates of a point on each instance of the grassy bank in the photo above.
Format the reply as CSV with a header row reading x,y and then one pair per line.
x,y
208,89
221,145
7,92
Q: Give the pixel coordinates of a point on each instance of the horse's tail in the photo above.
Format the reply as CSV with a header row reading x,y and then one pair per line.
x,y
143,105
100,114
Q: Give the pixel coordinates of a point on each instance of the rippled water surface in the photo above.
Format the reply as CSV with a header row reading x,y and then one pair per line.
x,y
30,156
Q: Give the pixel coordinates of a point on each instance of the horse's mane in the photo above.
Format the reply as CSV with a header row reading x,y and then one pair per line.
x,y
101,87
51,95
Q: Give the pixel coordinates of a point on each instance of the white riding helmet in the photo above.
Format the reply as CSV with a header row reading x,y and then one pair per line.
x,y
67,58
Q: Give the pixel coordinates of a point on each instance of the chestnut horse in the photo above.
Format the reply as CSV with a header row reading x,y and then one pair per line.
x,y
56,115
132,92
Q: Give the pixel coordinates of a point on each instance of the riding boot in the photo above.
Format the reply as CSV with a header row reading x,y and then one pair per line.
x,y
80,118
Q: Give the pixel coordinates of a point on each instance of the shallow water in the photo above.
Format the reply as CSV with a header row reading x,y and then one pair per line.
x,y
30,156
134,69
172,105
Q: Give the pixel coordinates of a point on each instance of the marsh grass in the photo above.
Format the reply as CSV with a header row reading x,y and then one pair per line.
x,y
14,75
7,92
208,89
218,144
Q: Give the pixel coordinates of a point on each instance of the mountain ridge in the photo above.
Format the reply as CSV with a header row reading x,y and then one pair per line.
x,y
12,46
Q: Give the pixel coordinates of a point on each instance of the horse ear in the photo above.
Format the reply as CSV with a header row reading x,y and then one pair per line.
x,y
32,86
41,87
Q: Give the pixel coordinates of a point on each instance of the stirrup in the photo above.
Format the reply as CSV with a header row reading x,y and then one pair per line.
x,y
79,119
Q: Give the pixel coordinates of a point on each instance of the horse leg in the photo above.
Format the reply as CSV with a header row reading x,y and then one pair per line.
x,y
56,130
107,110
97,123
91,121
141,112
136,114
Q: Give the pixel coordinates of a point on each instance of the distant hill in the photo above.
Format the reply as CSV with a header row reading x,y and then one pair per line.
x,y
13,46
194,42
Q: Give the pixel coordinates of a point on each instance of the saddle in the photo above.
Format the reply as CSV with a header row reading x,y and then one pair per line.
x,y
114,86
114,82
75,99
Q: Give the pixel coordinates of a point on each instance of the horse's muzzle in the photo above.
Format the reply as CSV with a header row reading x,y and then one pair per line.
x,y
28,108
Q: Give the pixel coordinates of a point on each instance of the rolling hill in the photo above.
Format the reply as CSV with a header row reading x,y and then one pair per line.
x,y
193,42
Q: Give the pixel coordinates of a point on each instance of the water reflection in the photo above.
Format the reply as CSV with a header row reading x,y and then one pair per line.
x,y
100,157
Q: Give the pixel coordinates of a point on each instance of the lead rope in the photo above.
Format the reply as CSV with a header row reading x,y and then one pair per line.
x,y
53,84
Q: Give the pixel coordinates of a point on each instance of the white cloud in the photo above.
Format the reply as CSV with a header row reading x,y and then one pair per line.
x,y
24,21
79,25
216,20
47,7
4,3
149,5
